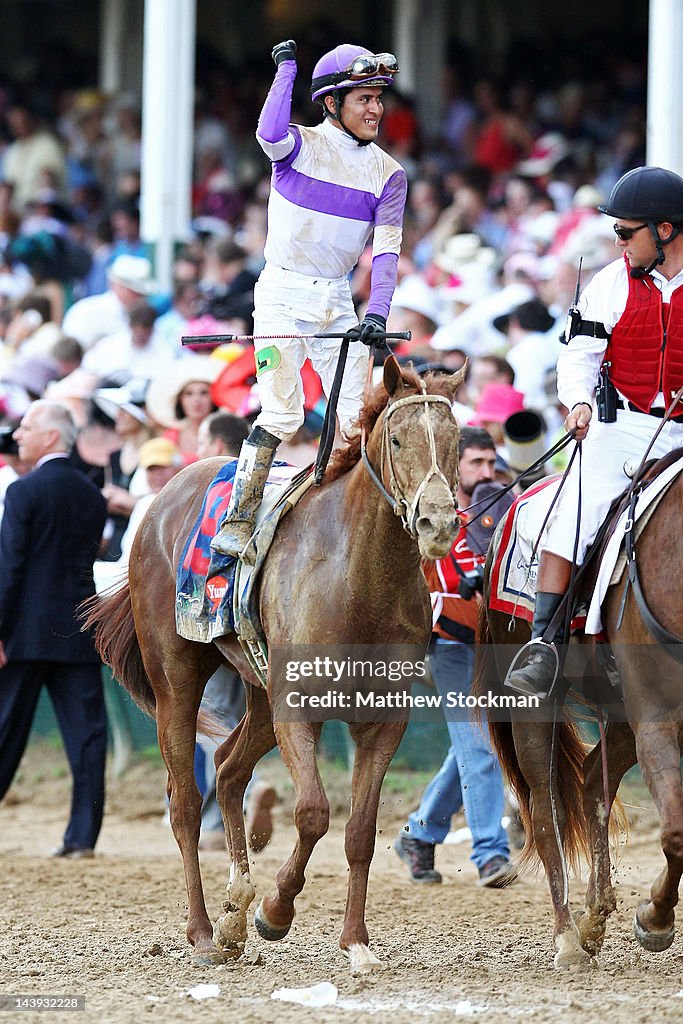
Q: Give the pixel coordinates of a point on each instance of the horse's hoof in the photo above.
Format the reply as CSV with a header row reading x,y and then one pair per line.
x,y
265,929
361,959
653,942
209,958
570,953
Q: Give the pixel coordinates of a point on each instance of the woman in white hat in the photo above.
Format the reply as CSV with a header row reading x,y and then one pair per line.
x,y
180,398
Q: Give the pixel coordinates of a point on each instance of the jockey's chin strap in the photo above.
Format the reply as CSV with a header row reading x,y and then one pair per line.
x,y
400,505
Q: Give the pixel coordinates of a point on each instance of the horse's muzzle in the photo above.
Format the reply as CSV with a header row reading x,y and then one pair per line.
x,y
436,533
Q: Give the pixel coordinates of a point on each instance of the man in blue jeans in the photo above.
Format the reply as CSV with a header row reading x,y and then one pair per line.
x,y
470,776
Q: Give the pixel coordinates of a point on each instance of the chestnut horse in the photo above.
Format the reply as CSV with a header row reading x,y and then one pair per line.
x,y
565,792
344,568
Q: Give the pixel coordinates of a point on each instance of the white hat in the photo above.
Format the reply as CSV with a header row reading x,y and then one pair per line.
x,y
415,294
134,272
130,397
461,250
164,390
548,150
469,285
587,196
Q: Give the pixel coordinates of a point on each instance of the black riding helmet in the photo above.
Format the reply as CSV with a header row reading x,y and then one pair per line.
x,y
653,195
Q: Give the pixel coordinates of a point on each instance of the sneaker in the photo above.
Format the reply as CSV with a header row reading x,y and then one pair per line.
x,y
73,852
259,820
535,676
497,873
419,857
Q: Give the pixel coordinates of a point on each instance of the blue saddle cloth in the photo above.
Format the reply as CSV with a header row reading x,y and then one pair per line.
x,y
204,607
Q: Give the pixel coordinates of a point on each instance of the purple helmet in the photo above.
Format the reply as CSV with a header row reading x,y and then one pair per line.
x,y
349,66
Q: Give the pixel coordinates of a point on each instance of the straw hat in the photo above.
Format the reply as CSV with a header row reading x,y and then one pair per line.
x,y
461,250
164,390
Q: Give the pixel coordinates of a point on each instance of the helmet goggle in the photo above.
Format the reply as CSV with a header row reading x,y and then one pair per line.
x,y
370,64
363,68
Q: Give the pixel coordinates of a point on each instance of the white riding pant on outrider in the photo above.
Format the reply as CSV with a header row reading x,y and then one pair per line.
x,y
291,303
611,453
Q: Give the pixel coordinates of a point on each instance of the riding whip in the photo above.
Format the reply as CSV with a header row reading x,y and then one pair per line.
x,y
221,339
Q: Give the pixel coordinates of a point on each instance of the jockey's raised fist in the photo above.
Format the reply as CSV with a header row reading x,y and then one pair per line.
x,y
284,51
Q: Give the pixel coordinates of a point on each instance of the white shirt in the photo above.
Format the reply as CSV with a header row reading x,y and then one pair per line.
x,y
95,317
116,354
531,358
603,301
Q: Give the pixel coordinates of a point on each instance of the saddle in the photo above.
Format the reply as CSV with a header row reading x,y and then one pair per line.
x,y
207,608
586,576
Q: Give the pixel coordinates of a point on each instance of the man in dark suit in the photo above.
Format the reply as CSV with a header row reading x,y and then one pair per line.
x,y
49,537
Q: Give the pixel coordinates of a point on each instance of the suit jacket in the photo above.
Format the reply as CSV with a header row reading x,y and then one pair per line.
x,y
49,536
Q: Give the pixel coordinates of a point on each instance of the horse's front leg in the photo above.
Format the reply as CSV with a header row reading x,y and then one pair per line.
x,y
375,747
296,741
659,757
236,760
535,748
620,755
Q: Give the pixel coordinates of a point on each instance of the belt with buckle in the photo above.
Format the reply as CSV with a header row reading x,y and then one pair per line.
x,y
659,412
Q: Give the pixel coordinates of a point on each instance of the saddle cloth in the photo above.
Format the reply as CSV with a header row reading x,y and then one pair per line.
x,y
514,571
204,608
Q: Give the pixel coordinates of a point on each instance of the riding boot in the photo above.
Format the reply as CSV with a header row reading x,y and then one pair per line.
x,y
255,459
535,674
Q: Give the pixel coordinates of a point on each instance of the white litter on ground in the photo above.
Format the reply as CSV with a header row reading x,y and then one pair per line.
x,y
323,994
203,992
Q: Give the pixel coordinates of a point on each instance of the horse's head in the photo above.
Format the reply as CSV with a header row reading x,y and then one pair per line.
x,y
419,455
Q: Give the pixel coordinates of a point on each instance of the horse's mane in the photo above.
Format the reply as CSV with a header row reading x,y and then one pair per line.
x,y
344,459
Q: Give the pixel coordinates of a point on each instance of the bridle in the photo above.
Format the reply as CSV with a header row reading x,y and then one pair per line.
x,y
399,504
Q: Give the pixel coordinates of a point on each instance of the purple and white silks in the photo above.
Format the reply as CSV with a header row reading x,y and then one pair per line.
x,y
328,195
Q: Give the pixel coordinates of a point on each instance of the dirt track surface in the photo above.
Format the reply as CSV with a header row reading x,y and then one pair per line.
x,y
112,929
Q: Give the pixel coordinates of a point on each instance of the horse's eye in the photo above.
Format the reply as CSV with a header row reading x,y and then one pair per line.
x,y
395,443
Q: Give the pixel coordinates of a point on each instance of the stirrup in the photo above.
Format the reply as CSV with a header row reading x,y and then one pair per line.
x,y
522,653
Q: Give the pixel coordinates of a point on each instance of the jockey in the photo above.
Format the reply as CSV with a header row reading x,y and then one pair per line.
x,y
625,337
331,188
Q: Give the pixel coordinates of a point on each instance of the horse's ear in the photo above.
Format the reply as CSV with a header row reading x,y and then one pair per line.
x,y
454,380
393,380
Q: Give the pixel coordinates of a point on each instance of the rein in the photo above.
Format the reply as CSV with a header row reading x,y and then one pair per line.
x,y
399,504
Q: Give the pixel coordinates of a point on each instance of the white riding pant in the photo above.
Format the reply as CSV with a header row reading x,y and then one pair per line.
x,y
611,453
289,303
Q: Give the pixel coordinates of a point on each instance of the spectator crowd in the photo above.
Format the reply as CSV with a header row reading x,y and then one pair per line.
x,y
501,212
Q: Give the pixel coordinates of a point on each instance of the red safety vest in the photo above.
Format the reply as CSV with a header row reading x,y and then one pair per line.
x,y
443,579
646,346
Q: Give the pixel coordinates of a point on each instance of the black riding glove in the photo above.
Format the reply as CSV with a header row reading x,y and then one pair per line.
x,y
368,328
284,51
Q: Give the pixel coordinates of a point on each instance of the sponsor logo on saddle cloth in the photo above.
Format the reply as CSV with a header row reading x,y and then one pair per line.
x,y
216,589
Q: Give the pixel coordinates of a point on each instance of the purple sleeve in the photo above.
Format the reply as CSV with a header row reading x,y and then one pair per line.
x,y
392,202
273,124
382,283
389,213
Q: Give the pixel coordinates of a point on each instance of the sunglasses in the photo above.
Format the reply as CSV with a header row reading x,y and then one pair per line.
x,y
373,64
626,234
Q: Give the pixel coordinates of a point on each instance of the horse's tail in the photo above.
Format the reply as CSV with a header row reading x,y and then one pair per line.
x,y
570,750
110,617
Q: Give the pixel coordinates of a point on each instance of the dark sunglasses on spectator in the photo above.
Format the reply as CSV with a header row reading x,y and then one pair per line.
x,y
373,64
626,234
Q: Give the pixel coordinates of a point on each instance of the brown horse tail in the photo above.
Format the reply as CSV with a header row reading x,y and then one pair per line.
x,y
110,617
571,752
